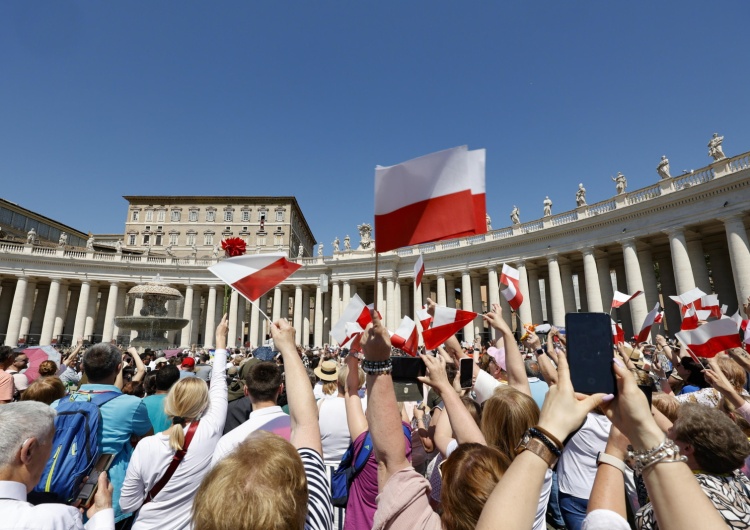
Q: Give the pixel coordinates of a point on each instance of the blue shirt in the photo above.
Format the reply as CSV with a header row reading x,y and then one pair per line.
x,y
538,390
155,406
122,417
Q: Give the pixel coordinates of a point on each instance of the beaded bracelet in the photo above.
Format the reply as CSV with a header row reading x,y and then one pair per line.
x,y
666,452
377,367
552,446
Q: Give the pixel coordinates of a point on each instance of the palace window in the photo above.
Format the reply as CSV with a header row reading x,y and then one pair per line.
x,y
146,239
208,238
134,215
193,215
161,215
262,216
149,216
245,215
278,239
131,240
157,241
190,239
175,216
173,238
228,216
210,216
279,215
261,241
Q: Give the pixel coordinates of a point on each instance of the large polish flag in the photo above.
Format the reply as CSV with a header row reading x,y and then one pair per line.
x,y
621,299
356,311
406,338
688,298
254,275
418,271
648,322
711,338
424,318
430,198
512,293
446,322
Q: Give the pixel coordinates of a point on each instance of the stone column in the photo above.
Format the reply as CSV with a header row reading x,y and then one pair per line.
x,y
62,305
70,315
120,309
683,272
623,313
92,306
535,296
381,300
524,312
276,303
28,308
698,264
466,304
37,315
255,317
81,310
109,316
668,288
397,307
426,290
285,305
476,301
417,299
556,294
569,292
326,301
605,282
583,291
593,292
391,316
16,311
187,313
493,297
638,309
6,303
346,295
335,304
441,294
263,324
404,297
739,254
298,314
233,319
721,274
209,335
650,287
305,317
319,316
450,292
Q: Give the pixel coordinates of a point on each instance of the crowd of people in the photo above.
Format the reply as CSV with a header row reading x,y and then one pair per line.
x,y
264,438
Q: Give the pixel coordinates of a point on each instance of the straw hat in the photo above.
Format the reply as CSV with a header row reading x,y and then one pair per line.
x,y
327,371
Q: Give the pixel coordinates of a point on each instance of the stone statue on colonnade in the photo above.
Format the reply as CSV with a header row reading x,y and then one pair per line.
x,y
365,236
580,196
63,239
336,244
301,251
90,243
547,206
347,243
620,183
515,215
118,246
488,220
31,237
714,147
320,250
663,168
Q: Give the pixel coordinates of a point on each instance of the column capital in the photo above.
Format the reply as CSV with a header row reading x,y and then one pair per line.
x,y
628,242
674,231
588,250
732,218
552,258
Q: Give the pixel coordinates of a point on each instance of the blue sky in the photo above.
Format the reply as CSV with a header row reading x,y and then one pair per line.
x,y
104,99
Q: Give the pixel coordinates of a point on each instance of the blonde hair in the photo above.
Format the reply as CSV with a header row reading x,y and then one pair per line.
x,y
734,372
344,373
45,389
188,400
505,418
667,405
330,387
261,484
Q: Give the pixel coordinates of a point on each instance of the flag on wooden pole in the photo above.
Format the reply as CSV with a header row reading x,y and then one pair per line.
x,y
711,338
253,275
418,271
447,322
621,299
512,292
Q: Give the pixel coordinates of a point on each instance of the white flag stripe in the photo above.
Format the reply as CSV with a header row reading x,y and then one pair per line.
x,y
443,316
702,334
689,297
234,269
476,165
510,272
350,314
510,292
406,328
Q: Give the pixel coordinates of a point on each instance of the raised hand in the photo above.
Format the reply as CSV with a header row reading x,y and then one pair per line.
x,y
282,334
436,375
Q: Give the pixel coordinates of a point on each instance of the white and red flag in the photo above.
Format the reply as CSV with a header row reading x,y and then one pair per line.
x,y
659,317
424,317
618,334
621,299
356,311
689,319
512,292
430,198
418,271
647,323
711,338
689,298
406,338
710,303
447,322
253,275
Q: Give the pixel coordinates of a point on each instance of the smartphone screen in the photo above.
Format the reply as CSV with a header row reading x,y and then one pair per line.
x,y
89,487
590,352
467,372
407,369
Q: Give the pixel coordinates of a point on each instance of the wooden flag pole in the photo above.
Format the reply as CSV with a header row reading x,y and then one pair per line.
x,y
376,281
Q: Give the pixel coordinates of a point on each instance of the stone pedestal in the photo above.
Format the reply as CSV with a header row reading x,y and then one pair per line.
x,y
666,186
583,211
721,168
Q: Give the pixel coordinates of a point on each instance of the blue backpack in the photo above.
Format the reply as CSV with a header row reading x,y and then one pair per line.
x,y
75,448
349,468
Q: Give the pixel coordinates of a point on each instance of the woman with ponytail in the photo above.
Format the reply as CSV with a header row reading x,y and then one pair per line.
x,y
166,469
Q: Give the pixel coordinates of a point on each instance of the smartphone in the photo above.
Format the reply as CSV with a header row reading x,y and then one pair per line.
x,y
466,373
407,369
590,352
86,495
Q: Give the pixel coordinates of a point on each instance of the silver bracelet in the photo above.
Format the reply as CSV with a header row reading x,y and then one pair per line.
x,y
377,367
666,452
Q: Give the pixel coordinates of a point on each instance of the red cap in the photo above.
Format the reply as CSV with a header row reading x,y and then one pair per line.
x,y
188,361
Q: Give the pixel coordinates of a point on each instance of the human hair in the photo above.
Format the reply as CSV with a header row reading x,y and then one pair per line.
x,y
311,376
719,445
261,484
6,353
166,377
506,417
101,361
186,401
667,405
474,408
45,390
263,380
330,387
532,369
727,408
470,475
484,362
695,377
47,368
22,420
149,383
734,372
344,373
134,388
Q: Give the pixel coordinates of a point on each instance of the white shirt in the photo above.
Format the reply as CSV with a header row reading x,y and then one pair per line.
x,y
576,468
171,507
334,430
257,420
17,514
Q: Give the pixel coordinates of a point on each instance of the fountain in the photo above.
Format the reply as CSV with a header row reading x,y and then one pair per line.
x,y
153,322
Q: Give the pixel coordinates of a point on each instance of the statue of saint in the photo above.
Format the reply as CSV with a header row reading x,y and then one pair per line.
x,y
620,183
169,251
663,168
301,251
714,147
31,237
547,206
118,246
365,236
63,240
488,220
320,250
580,196
515,215
90,243
347,243
194,249
216,250
336,244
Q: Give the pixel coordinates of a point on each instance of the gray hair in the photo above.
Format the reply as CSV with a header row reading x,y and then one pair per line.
x,y
20,421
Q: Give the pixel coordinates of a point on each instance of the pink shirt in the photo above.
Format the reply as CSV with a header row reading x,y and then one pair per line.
x,y
7,388
404,504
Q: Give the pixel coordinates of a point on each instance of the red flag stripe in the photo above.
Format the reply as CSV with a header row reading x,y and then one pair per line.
x,y
255,285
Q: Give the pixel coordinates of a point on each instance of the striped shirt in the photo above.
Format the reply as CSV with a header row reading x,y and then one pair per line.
x,y
319,506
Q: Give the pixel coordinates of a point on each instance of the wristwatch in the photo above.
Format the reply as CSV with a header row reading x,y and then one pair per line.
x,y
536,446
604,458
540,351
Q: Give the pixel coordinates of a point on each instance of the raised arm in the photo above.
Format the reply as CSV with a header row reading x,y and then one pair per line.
x,y
383,416
608,492
140,368
741,357
217,391
717,379
426,433
303,411
355,416
513,361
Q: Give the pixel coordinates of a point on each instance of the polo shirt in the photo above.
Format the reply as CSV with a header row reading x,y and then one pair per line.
x,y
7,387
157,416
270,419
